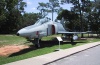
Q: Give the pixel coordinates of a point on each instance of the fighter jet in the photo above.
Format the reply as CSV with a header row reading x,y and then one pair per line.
x,y
44,27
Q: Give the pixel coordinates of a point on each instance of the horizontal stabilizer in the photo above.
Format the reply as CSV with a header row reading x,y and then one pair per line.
x,y
71,32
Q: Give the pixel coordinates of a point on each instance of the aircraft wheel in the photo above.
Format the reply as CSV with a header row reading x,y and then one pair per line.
x,y
36,45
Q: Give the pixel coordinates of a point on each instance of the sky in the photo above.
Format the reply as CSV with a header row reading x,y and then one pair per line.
x,y
33,4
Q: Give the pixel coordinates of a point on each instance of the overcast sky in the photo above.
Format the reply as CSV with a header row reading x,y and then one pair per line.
x,y
33,4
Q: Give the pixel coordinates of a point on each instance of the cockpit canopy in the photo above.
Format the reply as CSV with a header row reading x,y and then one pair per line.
x,y
42,21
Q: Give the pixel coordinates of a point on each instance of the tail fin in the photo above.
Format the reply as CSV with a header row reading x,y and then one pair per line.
x,y
63,22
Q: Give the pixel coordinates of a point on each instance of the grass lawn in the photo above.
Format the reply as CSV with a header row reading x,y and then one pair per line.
x,y
11,39
28,53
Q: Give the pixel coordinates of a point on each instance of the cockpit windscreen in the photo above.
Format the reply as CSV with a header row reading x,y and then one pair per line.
x,y
42,21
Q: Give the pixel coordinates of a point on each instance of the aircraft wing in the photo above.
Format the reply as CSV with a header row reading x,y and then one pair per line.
x,y
62,32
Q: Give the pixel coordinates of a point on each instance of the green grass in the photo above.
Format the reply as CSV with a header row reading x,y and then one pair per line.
x,y
12,39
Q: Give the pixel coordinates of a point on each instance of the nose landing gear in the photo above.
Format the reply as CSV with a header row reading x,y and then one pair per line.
x,y
37,42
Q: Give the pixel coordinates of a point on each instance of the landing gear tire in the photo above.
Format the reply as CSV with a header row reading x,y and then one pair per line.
x,y
36,45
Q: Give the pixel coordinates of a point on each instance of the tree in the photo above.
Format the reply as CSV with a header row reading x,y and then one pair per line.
x,y
70,18
10,12
43,9
94,17
80,6
29,19
51,6
2,13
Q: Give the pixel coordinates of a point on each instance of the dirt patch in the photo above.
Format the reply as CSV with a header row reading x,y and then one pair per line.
x,y
8,50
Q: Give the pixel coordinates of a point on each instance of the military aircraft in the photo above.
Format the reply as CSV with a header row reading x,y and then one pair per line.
x,y
44,27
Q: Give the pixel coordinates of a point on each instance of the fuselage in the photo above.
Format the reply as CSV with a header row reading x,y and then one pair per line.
x,y
40,29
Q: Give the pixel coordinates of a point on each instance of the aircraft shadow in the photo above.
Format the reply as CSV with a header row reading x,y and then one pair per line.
x,y
43,44
31,48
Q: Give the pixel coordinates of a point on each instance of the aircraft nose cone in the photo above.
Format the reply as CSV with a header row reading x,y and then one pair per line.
x,y
17,34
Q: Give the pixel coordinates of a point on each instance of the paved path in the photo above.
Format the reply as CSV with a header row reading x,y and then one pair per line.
x,y
45,59
87,57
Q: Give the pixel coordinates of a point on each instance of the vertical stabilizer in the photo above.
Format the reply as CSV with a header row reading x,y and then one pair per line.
x,y
63,22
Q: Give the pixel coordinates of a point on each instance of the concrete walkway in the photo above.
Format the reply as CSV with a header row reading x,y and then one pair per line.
x,y
51,57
